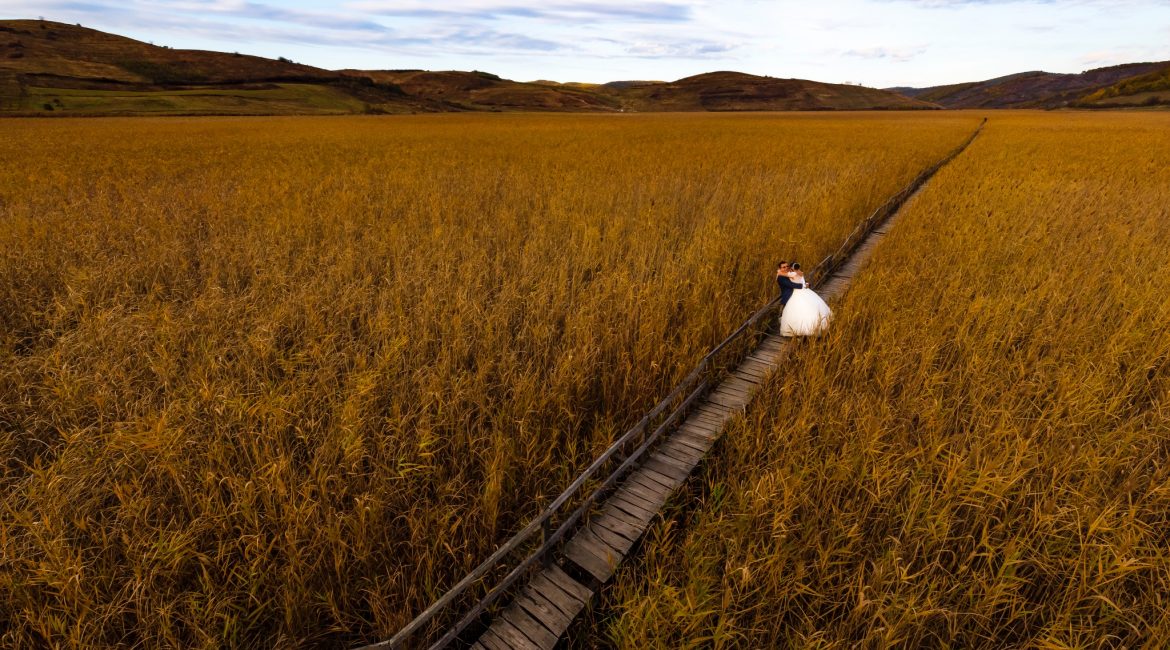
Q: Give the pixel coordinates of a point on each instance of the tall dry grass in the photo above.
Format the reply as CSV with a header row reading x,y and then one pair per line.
x,y
279,382
978,454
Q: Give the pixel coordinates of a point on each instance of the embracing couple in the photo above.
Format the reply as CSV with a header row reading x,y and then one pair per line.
x,y
805,314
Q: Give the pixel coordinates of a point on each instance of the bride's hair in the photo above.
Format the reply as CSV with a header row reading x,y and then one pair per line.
x,y
795,266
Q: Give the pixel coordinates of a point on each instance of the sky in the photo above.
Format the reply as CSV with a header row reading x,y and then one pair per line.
x,y
878,43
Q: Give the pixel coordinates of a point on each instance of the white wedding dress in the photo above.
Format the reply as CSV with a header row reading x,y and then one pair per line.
x,y
805,314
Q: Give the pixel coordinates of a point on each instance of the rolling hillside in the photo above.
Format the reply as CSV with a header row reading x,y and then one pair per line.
x,y
54,68
1044,89
736,91
50,68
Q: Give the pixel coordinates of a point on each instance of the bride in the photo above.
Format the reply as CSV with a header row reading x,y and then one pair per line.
x,y
805,314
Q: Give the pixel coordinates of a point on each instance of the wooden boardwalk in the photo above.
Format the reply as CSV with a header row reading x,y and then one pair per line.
x,y
547,605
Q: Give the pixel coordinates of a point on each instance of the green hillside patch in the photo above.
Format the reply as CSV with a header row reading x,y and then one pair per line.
x,y
268,99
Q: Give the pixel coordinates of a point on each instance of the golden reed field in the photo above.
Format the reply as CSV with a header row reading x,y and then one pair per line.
x,y
978,454
278,382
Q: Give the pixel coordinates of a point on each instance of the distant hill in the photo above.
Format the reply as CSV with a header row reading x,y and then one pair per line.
x,y
51,68
1050,90
48,67
475,90
736,91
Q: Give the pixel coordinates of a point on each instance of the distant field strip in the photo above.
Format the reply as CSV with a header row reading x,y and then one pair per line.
x,y
281,382
977,454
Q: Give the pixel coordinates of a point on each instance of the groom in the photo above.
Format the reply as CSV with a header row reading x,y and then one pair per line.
x,y
786,284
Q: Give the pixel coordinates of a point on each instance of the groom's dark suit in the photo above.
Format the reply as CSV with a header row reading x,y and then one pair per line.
x,y
787,286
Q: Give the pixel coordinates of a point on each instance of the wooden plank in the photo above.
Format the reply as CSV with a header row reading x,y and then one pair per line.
x,y
567,583
569,605
625,497
670,467
729,397
514,638
542,610
673,470
600,546
702,429
656,482
733,391
682,451
531,628
708,417
716,413
732,402
743,376
764,358
688,456
729,391
756,366
656,495
750,372
772,346
633,506
736,383
657,477
493,642
611,510
692,440
588,562
678,448
619,526
614,540
592,555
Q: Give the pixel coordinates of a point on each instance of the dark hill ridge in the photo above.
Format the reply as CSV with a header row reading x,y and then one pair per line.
x,y
1038,89
54,68
737,91
50,68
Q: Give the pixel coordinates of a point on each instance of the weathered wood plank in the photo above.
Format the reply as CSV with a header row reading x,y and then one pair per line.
x,y
673,470
702,427
671,467
619,526
562,600
707,417
563,580
653,481
677,454
628,497
726,400
615,541
593,554
493,642
741,375
637,521
751,372
733,391
478,646
513,637
542,610
679,450
735,382
588,560
633,505
694,441
656,495
757,366
531,628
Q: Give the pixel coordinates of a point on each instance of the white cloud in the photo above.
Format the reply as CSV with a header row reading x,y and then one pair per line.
x,y
877,42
